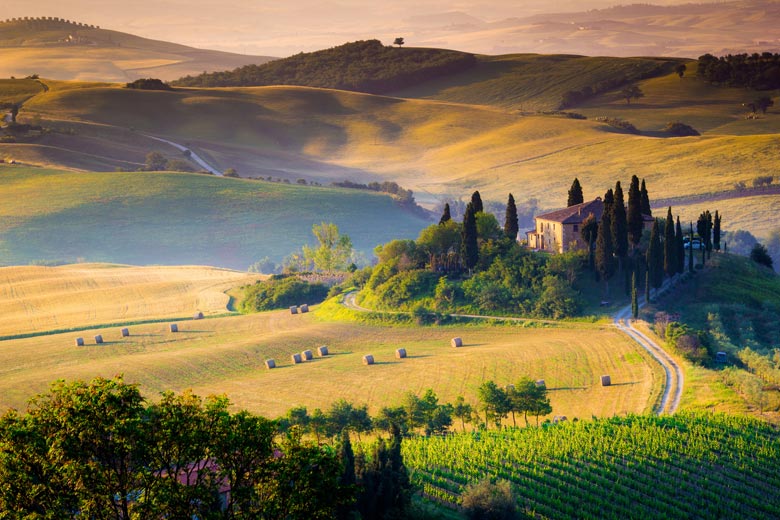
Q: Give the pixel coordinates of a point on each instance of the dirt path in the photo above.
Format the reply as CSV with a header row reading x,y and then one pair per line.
x,y
195,157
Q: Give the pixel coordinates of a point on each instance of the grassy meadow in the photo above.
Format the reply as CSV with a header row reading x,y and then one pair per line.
x,y
179,219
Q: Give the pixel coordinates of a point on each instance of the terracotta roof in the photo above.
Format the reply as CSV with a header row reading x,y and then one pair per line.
x,y
577,213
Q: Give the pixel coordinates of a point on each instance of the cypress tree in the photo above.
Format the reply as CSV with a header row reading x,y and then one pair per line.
x,y
716,232
511,226
619,225
589,231
469,250
347,478
670,245
609,199
634,297
644,200
647,285
634,217
690,250
605,263
709,234
575,194
678,237
445,216
476,201
655,257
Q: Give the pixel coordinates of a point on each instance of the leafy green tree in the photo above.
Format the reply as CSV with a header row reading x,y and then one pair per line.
x,y
511,225
333,250
680,69
398,41
716,231
155,161
487,228
575,194
634,218
494,402
476,201
605,262
530,398
631,92
670,245
589,232
442,245
445,216
558,299
485,500
645,200
655,257
463,411
469,248
760,255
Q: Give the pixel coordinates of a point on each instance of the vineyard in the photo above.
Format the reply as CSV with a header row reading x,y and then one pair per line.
x,y
686,466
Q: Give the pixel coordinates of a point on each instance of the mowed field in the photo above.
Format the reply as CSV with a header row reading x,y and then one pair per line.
x,y
39,299
227,354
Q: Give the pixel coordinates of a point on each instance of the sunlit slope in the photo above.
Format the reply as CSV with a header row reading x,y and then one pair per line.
x,y
226,356
37,298
182,219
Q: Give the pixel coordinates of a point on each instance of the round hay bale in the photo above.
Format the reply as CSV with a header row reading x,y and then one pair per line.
x,y
79,342
98,339
294,310
559,419
296,358
198,316
125,332
510,388
174,327
456,342
400,353
270,363
368,359
322,351
307,355
606,381
540,383
304,308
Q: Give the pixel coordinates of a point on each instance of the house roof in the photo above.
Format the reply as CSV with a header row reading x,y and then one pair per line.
x,y
577,213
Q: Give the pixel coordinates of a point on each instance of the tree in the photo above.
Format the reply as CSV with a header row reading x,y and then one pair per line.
x,y
511,225
631,92
469,248
348,479
678,238
399,41
619,225
589,232
333,251
680,69
605,263
494,402
634,297
155,161
760,255
463,411
704,230
476,201
530,398
655,257
645,200
634,218
670,245
716,231
763,103
384,481
445,216
690,251
485,500
575,194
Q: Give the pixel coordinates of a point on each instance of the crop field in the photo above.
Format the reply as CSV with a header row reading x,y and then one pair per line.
x,y
227,354
179,219
756,214
685,466
39,299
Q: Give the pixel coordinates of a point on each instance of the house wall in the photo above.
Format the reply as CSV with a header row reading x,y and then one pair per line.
x,y
556,237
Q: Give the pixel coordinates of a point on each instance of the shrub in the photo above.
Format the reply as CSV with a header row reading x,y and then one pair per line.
x,y
149,84
487,501
282,291
620,124
680,129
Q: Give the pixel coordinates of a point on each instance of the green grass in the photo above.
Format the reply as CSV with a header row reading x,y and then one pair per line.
x,y
168,218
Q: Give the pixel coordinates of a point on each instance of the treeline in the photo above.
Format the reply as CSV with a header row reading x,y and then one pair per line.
x,y
756,71
392,188
280,291
363,66
46,22
148,84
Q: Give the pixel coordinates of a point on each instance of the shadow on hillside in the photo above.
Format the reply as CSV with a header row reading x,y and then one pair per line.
x,y
625,384
567,388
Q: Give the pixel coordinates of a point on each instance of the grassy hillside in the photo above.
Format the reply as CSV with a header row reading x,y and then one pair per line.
x,y
168,218
686,466
226,355
37,298
18,90
71,51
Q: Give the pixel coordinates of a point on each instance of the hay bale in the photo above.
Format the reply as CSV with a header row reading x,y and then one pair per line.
x,y
174,327
296,358
400,353
307,355
125,332
79,342
721,357
98,339
368,359
270,363
198,316
540,383
559,419
304,308
294,310
606,381
456,342
322,351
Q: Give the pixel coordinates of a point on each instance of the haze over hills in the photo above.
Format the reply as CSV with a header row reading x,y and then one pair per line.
x,y
67,50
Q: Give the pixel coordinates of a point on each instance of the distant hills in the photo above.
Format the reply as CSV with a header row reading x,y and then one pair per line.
x,y
62,49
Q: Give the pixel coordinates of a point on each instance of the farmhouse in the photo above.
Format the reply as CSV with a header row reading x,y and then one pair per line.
x,y
559,231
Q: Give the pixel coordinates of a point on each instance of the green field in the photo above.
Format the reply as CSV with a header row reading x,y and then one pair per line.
x,y
686,466
178,219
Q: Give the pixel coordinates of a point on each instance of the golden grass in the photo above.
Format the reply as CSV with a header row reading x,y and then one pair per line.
x,y
226,355
757,214
36,299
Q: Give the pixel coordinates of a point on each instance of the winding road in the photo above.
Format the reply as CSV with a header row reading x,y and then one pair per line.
x,y
674,380
195,157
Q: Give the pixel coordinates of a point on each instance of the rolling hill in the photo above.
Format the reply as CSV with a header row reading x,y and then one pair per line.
x,y
62,49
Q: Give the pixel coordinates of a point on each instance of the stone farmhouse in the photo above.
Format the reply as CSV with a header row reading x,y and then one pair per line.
x,y
559,231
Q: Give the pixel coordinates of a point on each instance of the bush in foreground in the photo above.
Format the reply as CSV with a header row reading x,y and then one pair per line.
x,y
485,500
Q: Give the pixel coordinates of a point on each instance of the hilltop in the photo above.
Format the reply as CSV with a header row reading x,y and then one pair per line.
x,y
67,50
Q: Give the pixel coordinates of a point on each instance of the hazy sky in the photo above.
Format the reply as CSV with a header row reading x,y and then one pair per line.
x,y
279,27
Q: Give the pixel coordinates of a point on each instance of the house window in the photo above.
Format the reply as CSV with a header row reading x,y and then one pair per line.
x,y
576,228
